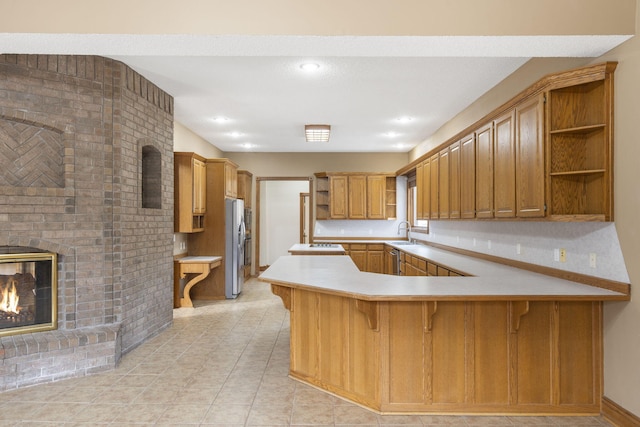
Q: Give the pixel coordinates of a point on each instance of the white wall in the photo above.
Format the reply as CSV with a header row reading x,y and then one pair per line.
x,y
279,218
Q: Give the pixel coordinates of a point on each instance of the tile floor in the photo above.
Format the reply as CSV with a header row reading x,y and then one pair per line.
x,y
222,364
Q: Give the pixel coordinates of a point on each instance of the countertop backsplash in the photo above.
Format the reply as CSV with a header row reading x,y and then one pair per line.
x,y
536,242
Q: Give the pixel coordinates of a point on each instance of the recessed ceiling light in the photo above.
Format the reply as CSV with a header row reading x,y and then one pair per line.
x,y
235,134
220,119
405,119
247,145
309,66
392,134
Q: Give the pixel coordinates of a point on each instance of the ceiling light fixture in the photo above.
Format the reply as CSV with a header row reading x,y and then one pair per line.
x,y
392,134
220,119
317,133
235,134
310,66
404,119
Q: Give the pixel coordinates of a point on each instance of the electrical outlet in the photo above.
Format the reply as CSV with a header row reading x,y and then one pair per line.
x,y
556,255
457,239
518,249
563,255
474,241
488,244
592,260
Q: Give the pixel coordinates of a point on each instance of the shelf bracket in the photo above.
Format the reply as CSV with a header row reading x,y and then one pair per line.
x,y
430,308
518,309
284,293
371,310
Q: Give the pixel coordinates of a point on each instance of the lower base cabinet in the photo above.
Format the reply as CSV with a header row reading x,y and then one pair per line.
x,y
519,357
367,257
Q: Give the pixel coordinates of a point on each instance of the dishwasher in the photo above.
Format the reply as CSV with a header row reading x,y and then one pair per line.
x,y
396,269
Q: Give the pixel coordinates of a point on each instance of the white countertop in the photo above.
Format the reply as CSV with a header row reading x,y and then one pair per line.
x,y
490,281
306,247
199,259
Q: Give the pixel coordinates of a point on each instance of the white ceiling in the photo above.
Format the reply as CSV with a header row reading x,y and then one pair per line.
x,y
363,85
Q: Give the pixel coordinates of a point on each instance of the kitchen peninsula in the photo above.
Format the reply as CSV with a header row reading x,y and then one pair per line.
x,y
502,340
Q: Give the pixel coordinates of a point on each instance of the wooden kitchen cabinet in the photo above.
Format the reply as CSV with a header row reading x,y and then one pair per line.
x,y
420,191
357,197
390,201
434,187
505,166
443,184
245,185
358,253
376,196
547,153
530,158
211,241
352,195
190,192
579,160
468,177
375,258
322,197
454,180
484,171
338,194
426,188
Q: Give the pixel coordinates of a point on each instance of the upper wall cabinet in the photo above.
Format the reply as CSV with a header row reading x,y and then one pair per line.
x,y
468,177
530,159
245,181
579,117
345,195
547,154
504,166
190,190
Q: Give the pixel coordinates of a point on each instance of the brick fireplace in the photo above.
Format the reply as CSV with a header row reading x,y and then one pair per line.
x,y
86,173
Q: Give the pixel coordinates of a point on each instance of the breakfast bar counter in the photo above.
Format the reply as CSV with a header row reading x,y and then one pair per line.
x,y
505,341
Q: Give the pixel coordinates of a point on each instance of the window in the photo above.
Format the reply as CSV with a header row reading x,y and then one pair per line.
x,y
412,209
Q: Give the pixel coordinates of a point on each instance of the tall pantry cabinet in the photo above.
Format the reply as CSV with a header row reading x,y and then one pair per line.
x,y
222,183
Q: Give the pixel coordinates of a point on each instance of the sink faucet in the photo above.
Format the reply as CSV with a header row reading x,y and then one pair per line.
x,y
408,228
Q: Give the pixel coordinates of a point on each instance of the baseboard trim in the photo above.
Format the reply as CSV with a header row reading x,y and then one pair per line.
x,y
617,415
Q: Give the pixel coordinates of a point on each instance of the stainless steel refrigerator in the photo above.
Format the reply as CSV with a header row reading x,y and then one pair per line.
x,y
234,247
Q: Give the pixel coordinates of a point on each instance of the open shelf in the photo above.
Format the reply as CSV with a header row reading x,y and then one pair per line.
x,y
579,150
322,197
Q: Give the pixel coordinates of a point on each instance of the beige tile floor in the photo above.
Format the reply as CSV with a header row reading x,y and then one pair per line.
x,y
221,364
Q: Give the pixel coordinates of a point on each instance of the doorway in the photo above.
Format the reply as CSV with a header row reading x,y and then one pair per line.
x,y
278,218
305,216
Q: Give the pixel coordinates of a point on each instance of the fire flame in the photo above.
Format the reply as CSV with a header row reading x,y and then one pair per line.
x,y
9,298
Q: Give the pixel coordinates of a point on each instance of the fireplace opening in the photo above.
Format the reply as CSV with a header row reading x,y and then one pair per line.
x,y
28,293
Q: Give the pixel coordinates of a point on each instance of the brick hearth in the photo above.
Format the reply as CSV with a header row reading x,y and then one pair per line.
x,y
80,139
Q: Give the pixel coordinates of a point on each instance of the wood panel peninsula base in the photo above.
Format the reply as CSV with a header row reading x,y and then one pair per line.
x,y
443,344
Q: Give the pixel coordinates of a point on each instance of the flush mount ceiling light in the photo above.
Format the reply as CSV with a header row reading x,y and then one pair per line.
x,y
317,133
